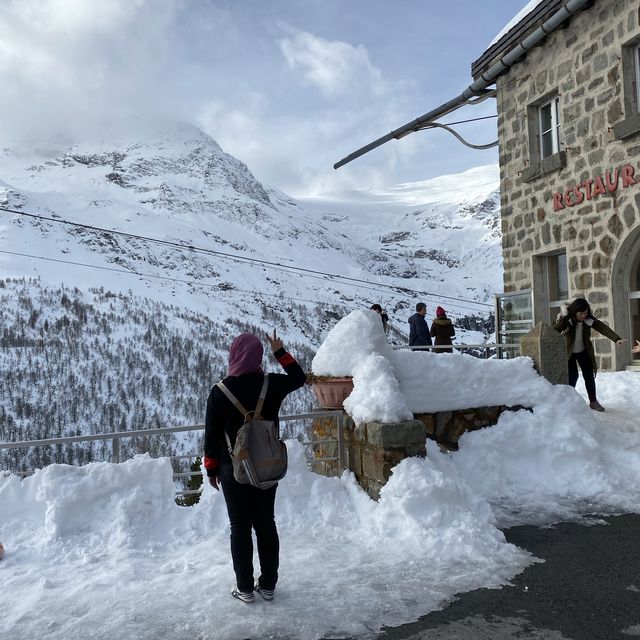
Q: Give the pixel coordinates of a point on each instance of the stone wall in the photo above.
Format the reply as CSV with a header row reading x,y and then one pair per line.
x,y
371,450
446,427
583,63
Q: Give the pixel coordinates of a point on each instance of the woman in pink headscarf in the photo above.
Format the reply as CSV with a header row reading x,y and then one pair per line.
x,y
248,507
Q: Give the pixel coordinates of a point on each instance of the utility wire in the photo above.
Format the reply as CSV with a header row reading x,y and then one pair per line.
x,y
449,124
199,283
238,258
179,280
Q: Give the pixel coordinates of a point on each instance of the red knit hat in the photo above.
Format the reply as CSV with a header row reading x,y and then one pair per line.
x,y
440,312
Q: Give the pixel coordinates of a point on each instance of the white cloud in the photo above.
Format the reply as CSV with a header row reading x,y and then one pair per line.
x,y
283,100
334,67
69,65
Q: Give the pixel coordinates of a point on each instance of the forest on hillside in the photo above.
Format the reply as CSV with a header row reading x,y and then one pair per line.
x,y
78,363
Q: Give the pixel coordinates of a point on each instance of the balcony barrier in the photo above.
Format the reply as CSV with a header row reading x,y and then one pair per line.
x,y
117,436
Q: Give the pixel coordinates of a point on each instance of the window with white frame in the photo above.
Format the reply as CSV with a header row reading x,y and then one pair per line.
x,y
636,56
557,282
631,77
549,127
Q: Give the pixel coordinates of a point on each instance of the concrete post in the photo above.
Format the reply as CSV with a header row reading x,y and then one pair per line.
x,y
548,350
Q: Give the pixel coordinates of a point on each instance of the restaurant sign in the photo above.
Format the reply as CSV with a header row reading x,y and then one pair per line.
x,y
593,187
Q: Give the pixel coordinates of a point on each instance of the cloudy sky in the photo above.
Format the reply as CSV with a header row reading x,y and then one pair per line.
x,y
287,86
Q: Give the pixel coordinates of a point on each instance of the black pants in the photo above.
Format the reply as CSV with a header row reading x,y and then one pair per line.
x,y
584,360
251,508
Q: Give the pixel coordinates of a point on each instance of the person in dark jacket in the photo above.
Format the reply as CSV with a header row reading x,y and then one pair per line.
x,y
575,323
418,327
248,507
383,316
442,330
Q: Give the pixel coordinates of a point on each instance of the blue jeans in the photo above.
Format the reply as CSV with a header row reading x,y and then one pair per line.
x,y
251,508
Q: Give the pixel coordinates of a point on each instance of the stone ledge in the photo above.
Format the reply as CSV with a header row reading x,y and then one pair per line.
x,y
446,427
627,127
393,435
539,169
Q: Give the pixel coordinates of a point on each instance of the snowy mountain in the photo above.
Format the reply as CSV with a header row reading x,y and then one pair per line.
x,y
228,254
436,238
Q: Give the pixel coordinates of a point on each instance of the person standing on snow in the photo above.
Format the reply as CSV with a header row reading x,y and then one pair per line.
x,y
442,330
575,323
248,507
418,328
383,316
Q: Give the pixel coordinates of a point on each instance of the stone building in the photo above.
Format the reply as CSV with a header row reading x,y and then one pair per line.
x,y
569,142
566,78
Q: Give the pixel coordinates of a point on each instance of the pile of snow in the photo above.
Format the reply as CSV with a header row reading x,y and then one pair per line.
x,y
107,545
103,549
390,386
357,346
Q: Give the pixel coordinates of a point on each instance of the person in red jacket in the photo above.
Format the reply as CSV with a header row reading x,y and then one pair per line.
x,y
248,507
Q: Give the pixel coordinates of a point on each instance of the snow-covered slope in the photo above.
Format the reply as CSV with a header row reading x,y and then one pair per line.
x,y
437,238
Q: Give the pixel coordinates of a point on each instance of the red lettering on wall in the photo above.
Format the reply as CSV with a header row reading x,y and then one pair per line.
x,y
557,201
578,194
612,185
627,175
593,187
598,187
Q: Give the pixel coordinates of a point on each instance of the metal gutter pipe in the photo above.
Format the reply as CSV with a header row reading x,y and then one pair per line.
x,y
570,8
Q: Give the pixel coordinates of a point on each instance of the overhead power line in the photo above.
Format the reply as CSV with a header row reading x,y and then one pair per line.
x,y
197,283
340,279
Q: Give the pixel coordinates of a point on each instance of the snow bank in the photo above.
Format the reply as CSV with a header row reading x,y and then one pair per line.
x,y
389,385
136,565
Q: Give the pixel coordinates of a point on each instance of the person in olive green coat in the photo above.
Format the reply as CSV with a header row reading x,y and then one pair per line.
x,y
442,330
575,323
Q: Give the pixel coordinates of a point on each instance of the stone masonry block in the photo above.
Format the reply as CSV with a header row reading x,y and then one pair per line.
x,y
395,434
547,348
427,420
373,465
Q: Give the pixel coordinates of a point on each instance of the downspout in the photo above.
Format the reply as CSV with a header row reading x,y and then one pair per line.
x,y
480,86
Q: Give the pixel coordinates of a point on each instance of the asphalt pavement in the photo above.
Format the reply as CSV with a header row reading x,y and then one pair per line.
x,y
588,588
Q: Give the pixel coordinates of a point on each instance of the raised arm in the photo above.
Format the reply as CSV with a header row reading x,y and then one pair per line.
x,y
295,375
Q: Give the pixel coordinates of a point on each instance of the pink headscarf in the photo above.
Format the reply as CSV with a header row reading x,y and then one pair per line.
x,y
245,355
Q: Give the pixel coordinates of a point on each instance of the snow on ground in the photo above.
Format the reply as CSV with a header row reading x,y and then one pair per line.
x,y
102,551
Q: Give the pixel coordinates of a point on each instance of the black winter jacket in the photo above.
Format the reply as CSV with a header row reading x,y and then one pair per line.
x,y
418,331
223,416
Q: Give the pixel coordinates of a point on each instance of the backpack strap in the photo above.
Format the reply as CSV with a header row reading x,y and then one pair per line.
x,y
236,402
231,397
263,394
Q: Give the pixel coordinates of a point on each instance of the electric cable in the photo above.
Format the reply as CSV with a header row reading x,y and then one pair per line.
x,y
238,258
199,283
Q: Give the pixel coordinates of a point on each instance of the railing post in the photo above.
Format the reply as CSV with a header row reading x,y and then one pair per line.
x,y
341,456
115,450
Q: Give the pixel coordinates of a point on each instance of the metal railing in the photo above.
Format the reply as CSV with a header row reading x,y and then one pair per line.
x,y
484,351
117,436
